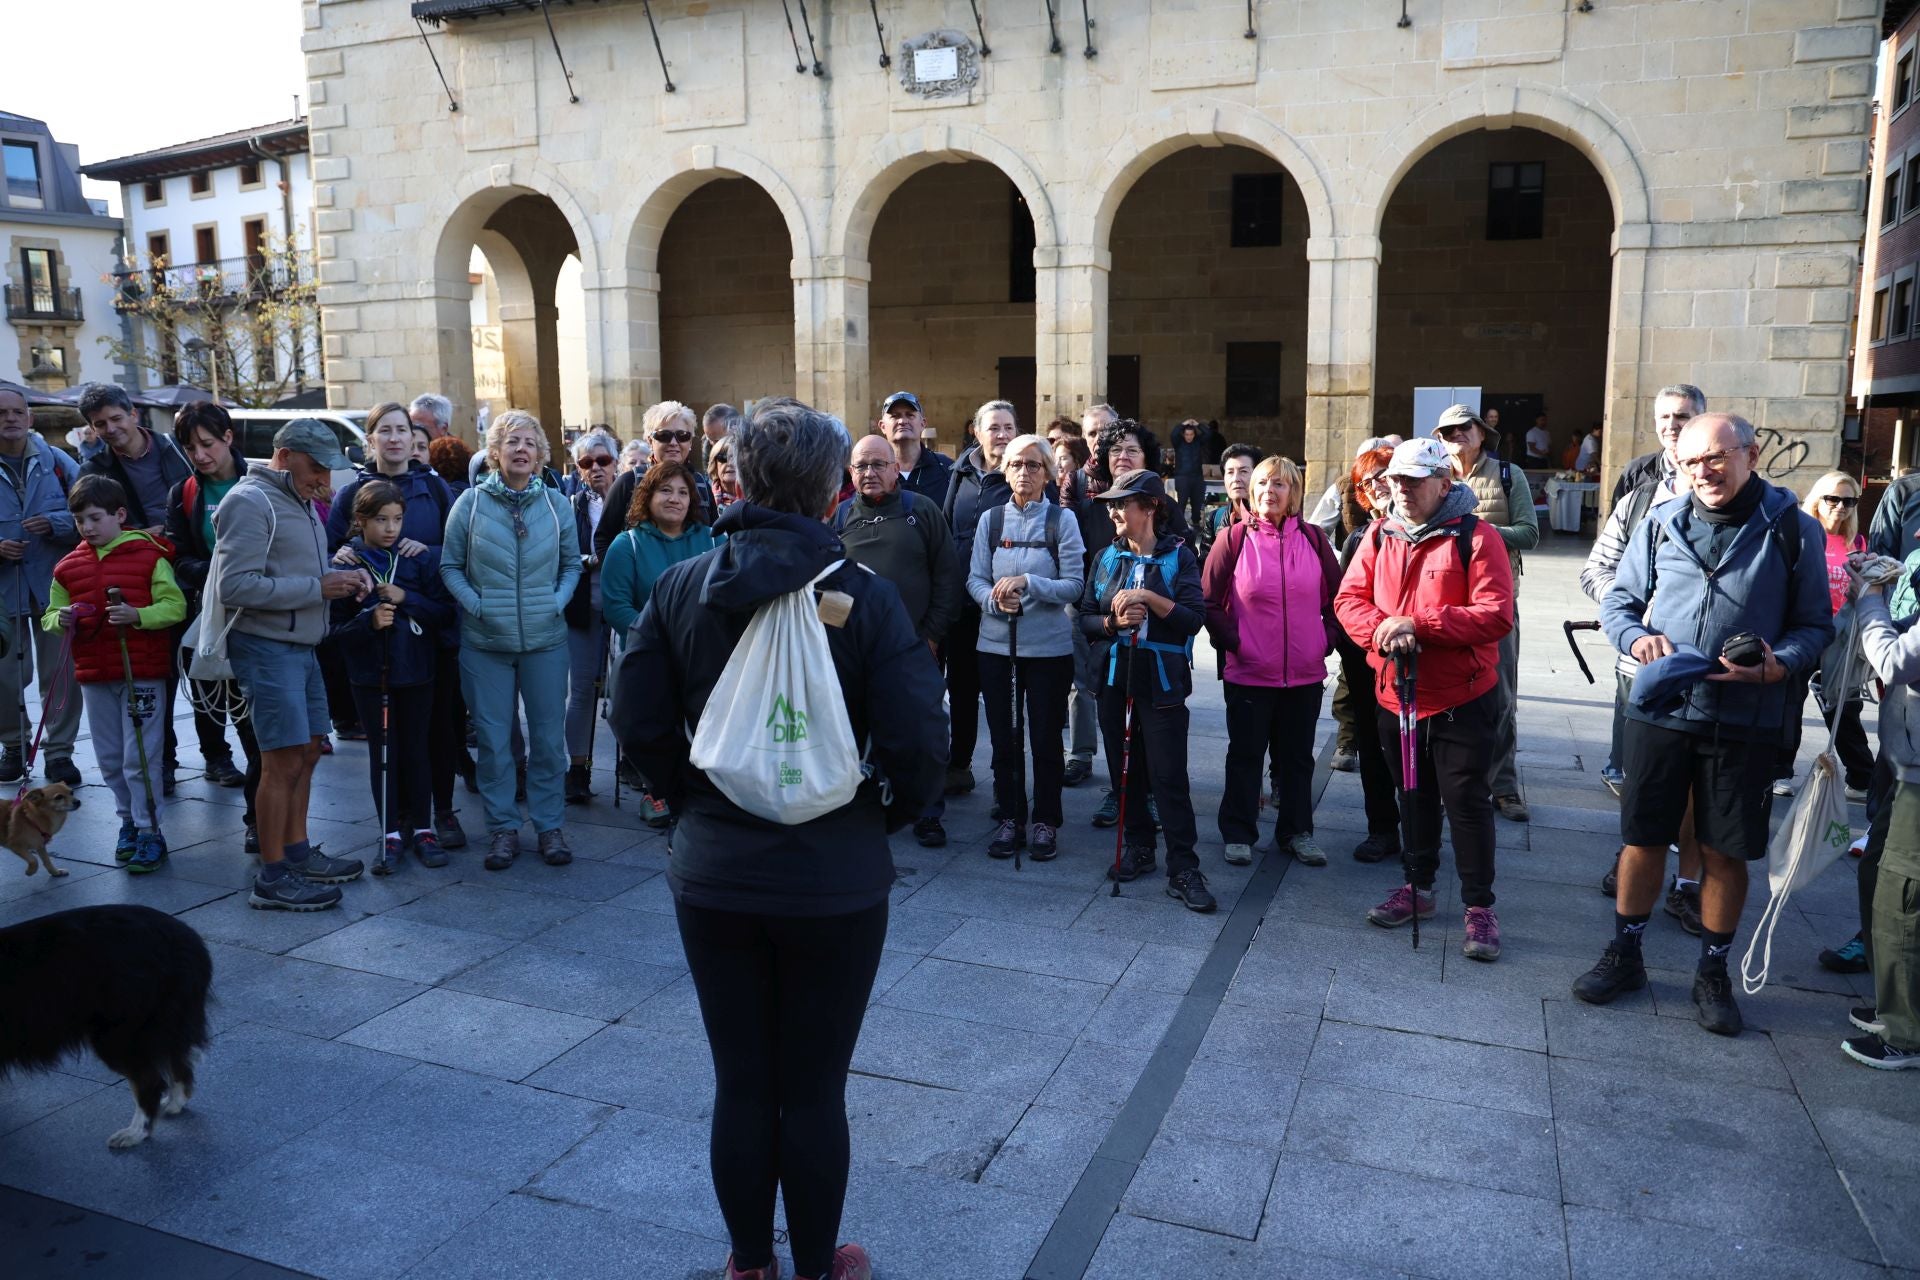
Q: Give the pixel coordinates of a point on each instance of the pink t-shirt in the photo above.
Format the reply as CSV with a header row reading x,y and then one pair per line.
x,y
1838,581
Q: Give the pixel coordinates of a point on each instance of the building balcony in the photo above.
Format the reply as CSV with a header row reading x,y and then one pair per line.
x,y
27,305
230,281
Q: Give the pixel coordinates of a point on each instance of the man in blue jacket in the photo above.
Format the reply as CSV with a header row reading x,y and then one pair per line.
x,y
36,529
1722,598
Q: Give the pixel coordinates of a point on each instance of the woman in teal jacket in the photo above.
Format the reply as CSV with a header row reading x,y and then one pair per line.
x,y
664,527
510,560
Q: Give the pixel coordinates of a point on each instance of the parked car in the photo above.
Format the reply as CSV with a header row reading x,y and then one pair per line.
x,y
253,431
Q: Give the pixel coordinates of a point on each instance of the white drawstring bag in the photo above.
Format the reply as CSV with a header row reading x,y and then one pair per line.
x,y
774,735
1817,831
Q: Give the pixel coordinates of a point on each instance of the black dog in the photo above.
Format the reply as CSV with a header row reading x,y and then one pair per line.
x,y
129,982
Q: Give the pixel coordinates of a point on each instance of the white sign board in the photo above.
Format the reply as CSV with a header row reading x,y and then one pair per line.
x,y
489,363
1430,402
931,66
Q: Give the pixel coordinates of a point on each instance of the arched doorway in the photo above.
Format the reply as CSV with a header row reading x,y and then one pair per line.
x,y
951,305
726,297
1207,297
1496,272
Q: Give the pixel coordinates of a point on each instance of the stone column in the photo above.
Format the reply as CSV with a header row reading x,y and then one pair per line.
x,y
830,351
1343,296
1070,328
1628,430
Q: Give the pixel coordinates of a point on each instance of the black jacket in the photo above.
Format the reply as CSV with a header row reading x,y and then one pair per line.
x,y
191,555
174,468
579,611
1645,469
929,476
970,491
724,858
620,497
912,549
1168,635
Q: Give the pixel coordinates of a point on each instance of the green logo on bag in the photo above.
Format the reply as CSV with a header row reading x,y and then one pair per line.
x,y
1839,835
789,775
789,723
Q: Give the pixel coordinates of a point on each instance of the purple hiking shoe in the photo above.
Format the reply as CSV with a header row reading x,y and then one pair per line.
x,y
1398,908
1483,935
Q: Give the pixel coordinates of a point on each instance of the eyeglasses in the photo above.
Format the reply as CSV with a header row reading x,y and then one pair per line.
x,y
1378,480
1714,461
871,465
1025,464
1836,500
600,460
677,437
1451,433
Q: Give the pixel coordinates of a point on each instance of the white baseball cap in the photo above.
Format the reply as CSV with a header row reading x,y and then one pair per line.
x,y
1420,458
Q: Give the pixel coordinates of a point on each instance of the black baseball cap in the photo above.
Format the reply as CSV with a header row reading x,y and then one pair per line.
x,y
898,396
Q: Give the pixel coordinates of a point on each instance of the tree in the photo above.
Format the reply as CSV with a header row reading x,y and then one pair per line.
x,y
247,328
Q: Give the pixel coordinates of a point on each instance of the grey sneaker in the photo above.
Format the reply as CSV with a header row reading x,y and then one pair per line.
x,y
1308,851
1239,855
322,868
1346,762
553,848
502,848
291,892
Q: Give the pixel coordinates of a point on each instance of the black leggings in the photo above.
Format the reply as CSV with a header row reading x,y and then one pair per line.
x,y
782,998
1455,746
1264,721
961,658
448,734
1045,684
404,761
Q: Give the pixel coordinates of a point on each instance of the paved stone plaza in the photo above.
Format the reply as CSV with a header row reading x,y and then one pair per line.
x,y
467,1074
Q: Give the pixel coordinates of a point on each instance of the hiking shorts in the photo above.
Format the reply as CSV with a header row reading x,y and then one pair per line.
x,y
1729,782
286,696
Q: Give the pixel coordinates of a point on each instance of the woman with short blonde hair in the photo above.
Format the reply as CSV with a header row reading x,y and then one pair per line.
x,y
1288,470
503,425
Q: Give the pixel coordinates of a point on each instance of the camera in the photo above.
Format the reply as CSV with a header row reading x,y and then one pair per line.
x,y
1744,650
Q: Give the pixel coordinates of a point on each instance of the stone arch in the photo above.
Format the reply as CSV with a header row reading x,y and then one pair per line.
x,y
1518,106
864,189
463,210
639,225
1153,138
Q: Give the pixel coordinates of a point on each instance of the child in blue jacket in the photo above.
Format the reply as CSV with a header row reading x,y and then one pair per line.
x,y
389,643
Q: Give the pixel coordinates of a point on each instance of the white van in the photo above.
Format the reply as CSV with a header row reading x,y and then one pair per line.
x,y
253,431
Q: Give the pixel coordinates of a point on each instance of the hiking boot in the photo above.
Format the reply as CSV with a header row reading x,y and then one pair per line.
x,y
1683,904
1867,1018
502,848
426,847
1308,851
322,869
1713,1004
220,772
1617,973
1851,958
577,789
1377,847
1045,846
1483,935
1109,811
1191,888
769,1272
392,856
1346,761
1614,780
127,841
553,848
1239,855
452,834
850,1263
959,780
63,770
149,851
655,812
253,841
13,766
1398,909
1077,772
1512,808
291,892
1134,863
1007,837
930,833
1610,882
1872,1051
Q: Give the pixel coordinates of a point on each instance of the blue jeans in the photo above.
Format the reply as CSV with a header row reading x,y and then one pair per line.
x,y
495,684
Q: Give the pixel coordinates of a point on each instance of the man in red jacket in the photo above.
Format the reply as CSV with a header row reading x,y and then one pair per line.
x,y
1436,579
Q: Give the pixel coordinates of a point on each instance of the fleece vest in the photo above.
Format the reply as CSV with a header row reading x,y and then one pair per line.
x,y
96,648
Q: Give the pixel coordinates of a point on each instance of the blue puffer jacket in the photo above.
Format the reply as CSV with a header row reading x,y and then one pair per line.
x,y
512,589
1752,589
429,501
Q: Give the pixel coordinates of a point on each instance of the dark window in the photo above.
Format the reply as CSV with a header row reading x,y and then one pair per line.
x,y
250,173
205,251
153,192
1890,208
23,174
1900,319
1903,81
200,183
1020,273
1879,325
1913,190
1257,201
1516,201
36,266
1253,379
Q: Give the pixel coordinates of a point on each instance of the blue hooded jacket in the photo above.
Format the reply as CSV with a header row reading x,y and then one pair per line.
x,y
429,502
407,655
46,475
1752,588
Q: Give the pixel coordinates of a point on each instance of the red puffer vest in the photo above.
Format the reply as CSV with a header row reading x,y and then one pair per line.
x,y
96,650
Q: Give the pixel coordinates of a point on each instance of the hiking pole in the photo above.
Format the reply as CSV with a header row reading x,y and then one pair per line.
x,y
1013,683
133,716
1568,628
606,682
1126,764
382,809
1403,680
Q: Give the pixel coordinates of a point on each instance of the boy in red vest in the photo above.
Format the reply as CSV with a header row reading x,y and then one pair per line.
x,y
151,604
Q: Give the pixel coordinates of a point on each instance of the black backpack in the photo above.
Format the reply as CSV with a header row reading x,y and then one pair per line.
x,y
997,523
1461,533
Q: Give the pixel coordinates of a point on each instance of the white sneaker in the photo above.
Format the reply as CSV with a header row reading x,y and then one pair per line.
x,y
1783,788
1239,855
1309,853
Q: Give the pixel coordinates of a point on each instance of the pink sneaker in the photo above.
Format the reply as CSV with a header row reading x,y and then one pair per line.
x,y
1483,935
1398,908
769,1272
850,1263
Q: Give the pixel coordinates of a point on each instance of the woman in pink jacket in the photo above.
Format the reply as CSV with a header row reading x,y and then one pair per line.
x,y
1269,584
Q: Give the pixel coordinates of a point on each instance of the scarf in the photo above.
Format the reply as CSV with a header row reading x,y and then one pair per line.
x,y
1460,500
1735,512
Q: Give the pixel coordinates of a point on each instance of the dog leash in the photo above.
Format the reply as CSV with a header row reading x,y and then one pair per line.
x,y
59,689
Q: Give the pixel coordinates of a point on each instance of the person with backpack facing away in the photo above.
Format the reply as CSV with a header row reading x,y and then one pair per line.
x,y
975,484
1504,501
1025,576
1722,598
783,924
39,531
390,642
1142,608
1269,587
123,718
1433,580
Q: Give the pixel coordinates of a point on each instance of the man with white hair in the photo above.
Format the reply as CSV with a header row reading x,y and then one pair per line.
x,y
432,411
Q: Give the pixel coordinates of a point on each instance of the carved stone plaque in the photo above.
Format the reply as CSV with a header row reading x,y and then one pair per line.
x,y
940,64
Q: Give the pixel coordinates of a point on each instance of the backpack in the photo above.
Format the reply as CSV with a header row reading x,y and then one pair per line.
x,y
997,523
841,512
1169,566
1789,547
774,736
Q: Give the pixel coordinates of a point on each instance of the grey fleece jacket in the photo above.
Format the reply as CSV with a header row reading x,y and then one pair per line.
x,y
1894,654
1049,603
270,550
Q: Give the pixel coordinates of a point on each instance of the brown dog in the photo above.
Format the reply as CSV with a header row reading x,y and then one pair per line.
x,y
33,822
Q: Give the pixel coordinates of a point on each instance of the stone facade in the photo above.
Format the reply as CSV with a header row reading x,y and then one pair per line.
x,y
1726,136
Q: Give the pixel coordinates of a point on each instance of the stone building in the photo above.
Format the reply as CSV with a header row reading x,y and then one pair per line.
x,y
1284,215
1886,366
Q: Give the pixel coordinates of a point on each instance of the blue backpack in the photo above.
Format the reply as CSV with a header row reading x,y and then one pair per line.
x,y
1108,566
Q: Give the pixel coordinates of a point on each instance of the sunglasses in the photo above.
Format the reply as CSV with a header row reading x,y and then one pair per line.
x,y
677,437
601,460
1836,500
